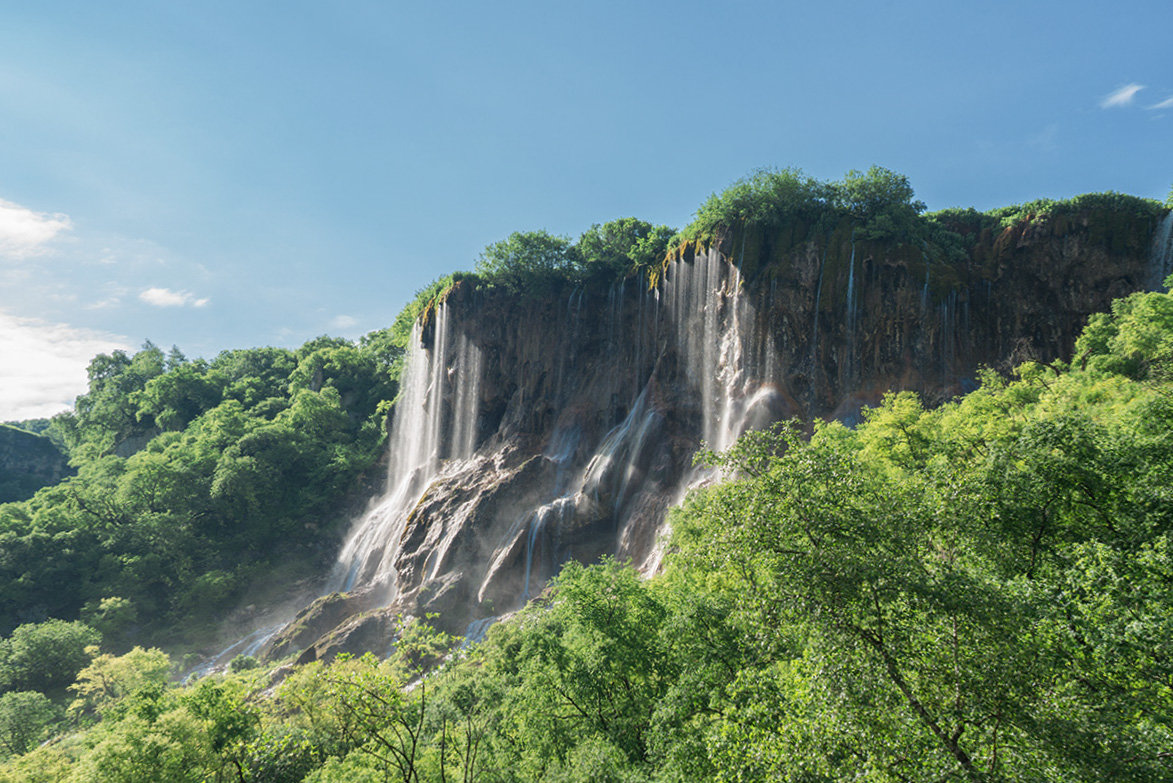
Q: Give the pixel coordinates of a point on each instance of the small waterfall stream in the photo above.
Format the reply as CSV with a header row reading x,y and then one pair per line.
x,y
1162,254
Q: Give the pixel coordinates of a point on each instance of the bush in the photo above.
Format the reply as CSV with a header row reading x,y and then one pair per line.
x,y
242,663
622,246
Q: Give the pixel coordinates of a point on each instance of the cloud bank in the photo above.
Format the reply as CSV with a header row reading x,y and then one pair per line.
x,y
43,365
165,297
24,232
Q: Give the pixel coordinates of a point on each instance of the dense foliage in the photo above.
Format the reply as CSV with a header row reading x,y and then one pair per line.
x,y
975,592
535,262
879,200
193,478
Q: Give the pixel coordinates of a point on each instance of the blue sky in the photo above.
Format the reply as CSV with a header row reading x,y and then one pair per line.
x,y
225,174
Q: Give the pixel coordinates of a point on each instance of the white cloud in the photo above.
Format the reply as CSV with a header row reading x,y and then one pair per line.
x,y
43,365
165,297
26,233
343,322
1165,104
1121,97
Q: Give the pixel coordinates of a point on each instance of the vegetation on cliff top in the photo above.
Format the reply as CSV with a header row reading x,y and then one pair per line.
x,y
879,200
976,592
790,207
536,262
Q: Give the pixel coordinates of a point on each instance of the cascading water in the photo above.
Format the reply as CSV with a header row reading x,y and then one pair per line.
x,y
849,356
708,317
435,420
532,431
924,293
700,316
1161,265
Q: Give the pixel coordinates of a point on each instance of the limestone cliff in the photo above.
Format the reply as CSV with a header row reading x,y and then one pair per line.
x,y
532,430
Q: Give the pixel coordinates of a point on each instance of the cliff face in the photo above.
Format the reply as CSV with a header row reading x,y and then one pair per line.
x,y
27,463
852,319
536,430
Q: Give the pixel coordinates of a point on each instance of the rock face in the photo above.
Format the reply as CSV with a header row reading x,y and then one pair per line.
x,y
27,463
533,430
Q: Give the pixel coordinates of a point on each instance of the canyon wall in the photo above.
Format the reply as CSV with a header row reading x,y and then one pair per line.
x,y
533,429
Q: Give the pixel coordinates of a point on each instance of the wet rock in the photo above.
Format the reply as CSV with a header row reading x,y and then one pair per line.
x,y
314,622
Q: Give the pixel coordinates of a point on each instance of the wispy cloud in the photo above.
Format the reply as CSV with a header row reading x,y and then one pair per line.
x,y
1165,104
1122,96
165,297
24,232
343,322
43,365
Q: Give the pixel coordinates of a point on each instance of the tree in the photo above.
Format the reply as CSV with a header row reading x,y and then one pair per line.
x,y
945,593
530,261
174,399
882,200
623,245
109,679
45,657
767,198
25,719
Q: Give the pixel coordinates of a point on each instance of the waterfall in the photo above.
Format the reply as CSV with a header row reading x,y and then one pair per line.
x,y
818,302
1161,258
924,294
425,432
698,315
593,405
850,325
709,315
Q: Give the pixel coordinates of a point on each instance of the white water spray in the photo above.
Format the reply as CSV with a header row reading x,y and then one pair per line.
x,y
434,428
1161,258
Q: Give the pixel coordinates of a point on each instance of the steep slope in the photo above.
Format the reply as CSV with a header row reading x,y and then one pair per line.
x,y
536,430
27,463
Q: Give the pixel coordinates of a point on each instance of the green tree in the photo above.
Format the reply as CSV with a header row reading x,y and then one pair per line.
x,y
929,593
106,416
108,679
882,200
45,657
623,245
767,198
529,262
174,399
25,719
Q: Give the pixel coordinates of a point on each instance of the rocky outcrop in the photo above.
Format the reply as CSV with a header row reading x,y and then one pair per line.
x,y
536,429
27,463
